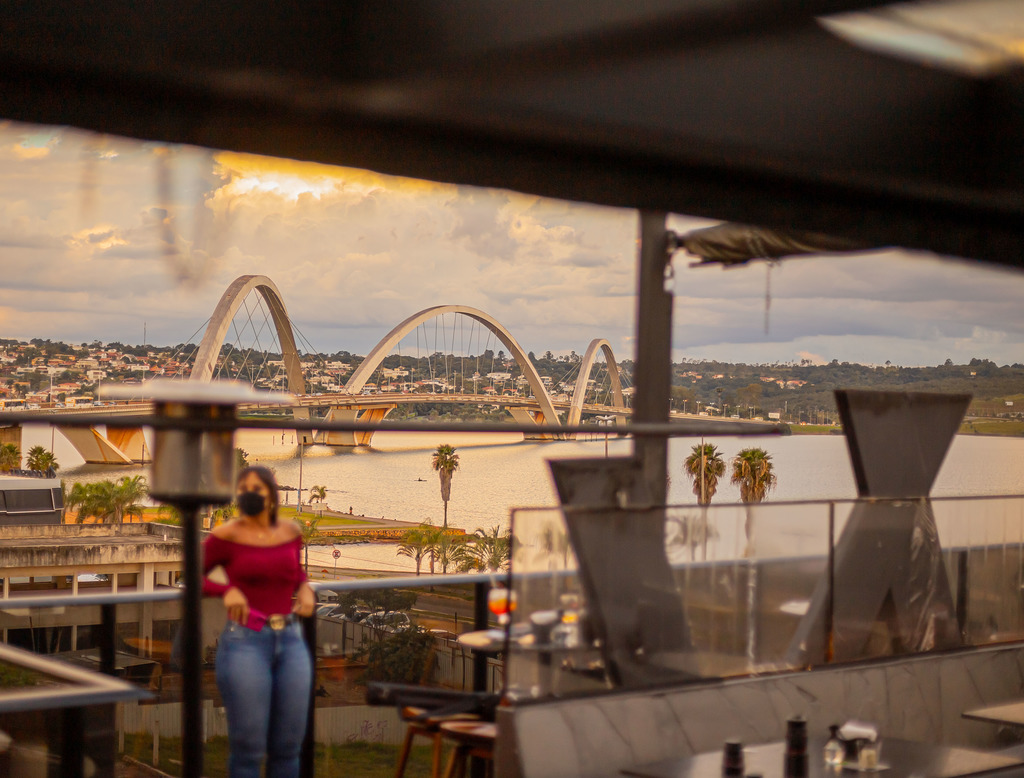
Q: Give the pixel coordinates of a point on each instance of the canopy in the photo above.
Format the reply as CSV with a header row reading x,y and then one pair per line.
x,y
757,111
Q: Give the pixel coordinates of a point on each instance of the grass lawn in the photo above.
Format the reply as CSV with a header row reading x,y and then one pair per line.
x,y
288,512
351,760
1008,428
163,513
814,429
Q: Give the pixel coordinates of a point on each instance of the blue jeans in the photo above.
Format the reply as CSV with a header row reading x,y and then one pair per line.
x,y
265,679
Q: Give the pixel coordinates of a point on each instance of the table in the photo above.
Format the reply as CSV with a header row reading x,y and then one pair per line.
x,y
1011,713
904,758
487,641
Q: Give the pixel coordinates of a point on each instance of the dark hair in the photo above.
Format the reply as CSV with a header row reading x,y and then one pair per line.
x,y
266,475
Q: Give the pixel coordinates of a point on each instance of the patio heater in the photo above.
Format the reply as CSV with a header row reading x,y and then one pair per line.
x,y
193,465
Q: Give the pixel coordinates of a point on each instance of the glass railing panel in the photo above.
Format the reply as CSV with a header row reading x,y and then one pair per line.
x,y
983,549
663,596
748,600
393,635
552,650
147,724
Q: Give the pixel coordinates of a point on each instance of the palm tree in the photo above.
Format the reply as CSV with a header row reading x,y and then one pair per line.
x,y
416,544
109,501
441,546
121,499
445,461
752,469
74,499
10,458
486,550
317,493
41,459
704,467
310,528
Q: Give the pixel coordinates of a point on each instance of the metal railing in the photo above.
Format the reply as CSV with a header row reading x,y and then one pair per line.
x,y
106,639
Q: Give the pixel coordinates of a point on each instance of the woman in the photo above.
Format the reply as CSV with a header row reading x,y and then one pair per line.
x,y
264,671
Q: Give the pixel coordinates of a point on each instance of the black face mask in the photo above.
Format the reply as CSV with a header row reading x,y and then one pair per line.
x,y
251,503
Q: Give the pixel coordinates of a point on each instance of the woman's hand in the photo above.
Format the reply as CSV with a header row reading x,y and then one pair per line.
x,y
304,601
237,605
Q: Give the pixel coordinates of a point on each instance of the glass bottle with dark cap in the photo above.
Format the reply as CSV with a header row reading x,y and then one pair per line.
x,y
732,759
796,748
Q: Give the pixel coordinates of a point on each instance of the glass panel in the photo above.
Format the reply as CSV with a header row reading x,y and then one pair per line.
x,y
25,500
983,550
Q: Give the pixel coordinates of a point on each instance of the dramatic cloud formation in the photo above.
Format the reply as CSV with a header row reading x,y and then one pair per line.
x,y
100,237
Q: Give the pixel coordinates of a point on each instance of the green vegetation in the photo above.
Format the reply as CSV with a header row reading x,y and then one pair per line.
x,y
41,459
752,469
10,457
350,760
310,528
445,461
416,544
14,677
1001,427
108,501
704,466
401,657
486,550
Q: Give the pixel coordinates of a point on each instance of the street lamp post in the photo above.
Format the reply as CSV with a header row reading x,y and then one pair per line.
x,y
193,465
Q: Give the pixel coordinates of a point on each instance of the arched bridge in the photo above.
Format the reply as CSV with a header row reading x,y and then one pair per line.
x,y
351,404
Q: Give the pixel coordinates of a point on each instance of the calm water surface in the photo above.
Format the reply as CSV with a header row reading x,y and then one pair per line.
x,y
498,472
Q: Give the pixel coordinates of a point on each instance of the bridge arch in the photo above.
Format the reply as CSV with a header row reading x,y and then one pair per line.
x,y
576,408
220,322
362,374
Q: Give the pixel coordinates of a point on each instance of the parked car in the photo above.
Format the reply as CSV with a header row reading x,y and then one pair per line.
x,y
389,621
443,634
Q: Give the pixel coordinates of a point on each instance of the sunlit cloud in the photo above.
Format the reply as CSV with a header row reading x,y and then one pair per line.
x,y
354,252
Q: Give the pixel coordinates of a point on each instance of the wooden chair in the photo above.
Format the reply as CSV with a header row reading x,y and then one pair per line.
x,y
471,739
419,722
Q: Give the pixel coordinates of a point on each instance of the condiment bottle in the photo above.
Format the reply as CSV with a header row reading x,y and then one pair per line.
x,y
835,751
732,759
796,748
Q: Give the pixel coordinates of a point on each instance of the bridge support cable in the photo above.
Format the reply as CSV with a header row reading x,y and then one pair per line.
x,y
221,321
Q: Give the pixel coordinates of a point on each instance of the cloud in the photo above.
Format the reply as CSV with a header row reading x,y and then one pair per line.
x,y
162,231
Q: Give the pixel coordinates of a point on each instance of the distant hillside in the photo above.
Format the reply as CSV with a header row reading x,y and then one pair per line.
x,y
804,392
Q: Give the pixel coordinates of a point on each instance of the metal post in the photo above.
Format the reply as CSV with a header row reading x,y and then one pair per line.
x,y
192,638
830,615
307,760
962,572
107,637
653,352
480,619
72,755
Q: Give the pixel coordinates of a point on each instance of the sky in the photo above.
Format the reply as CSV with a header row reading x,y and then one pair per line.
x,y
111,239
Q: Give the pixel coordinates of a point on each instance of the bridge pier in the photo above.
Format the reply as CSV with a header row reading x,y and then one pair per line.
x,y
305,437
353,438
526,416
97,449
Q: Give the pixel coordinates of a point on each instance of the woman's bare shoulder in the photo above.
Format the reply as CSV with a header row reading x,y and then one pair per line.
x,y
226,531
291,529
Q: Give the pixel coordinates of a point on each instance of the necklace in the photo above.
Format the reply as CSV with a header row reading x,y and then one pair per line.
x,y
262,533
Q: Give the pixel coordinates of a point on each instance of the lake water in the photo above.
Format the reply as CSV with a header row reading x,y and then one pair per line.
x,y
498,472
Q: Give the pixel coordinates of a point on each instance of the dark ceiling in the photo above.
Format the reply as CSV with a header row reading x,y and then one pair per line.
x,y
746,110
